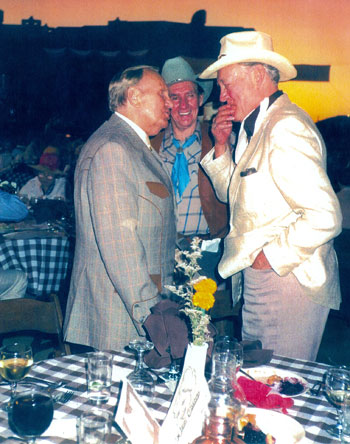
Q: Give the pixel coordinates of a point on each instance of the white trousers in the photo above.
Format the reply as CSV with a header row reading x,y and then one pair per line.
x,y
13,284
277,312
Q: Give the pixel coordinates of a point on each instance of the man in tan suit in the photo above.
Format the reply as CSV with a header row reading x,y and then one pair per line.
x,y
283,211
124,206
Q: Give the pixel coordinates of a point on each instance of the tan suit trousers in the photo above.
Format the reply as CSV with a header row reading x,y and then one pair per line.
x,y
277,312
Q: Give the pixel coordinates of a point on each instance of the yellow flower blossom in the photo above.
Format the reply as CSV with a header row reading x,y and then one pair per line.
x,y
203,299
206,285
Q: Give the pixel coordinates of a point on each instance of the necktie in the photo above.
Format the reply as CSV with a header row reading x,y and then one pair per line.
x,y
179,174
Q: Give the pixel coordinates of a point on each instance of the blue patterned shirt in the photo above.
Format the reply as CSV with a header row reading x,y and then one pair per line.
x,y
190,220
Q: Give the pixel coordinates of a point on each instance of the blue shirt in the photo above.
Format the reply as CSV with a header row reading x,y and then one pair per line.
x,y
11,208
190,220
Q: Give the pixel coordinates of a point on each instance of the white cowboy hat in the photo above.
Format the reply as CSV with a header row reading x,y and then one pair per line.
x,y
249,46
178,70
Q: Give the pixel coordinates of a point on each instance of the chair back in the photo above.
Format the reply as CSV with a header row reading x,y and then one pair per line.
x,y
18,315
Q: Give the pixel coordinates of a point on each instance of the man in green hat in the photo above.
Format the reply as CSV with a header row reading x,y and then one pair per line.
x,y
181,146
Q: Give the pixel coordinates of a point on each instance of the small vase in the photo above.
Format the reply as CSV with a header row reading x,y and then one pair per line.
x,y
189,406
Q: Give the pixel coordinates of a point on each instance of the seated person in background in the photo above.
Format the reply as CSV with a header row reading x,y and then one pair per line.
x,y
19,170
49,182
13,283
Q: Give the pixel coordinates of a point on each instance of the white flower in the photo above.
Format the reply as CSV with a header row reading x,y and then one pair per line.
x,y
186,261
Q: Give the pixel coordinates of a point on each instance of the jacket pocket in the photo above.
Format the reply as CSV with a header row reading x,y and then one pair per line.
x,y
158,189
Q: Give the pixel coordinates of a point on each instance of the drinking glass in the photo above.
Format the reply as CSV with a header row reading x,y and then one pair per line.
x,y
15,362
30,413
337,386
141,379
94,426
224,371
226,344
345,435
99,376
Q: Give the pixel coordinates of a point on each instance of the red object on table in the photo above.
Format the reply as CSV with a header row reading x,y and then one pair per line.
x,y
259,394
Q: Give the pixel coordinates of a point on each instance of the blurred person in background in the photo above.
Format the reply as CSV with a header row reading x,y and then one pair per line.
x,y
19,171
49,183
13,283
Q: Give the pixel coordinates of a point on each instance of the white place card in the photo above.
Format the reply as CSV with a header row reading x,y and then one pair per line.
x,y
185,417
134,417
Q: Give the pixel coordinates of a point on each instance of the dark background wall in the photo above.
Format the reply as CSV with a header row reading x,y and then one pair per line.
x,y
60,76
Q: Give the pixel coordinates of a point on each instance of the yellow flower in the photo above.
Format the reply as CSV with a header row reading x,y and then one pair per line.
x,y
203,299
206,285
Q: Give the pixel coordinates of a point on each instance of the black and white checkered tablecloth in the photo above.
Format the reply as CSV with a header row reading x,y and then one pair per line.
x,y
312,412
45,260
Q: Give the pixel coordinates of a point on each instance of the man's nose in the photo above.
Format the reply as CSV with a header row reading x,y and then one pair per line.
x,y
223,95
183,103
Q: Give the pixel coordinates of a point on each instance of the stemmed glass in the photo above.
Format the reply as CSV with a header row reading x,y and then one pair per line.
x,y
15,362
30,413
141,379
337,387
173,374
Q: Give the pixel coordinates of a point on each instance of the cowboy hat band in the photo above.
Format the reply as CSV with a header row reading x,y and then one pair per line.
x,y
178,70
249,46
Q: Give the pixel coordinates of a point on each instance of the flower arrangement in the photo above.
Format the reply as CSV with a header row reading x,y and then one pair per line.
x,y
197,292
9,187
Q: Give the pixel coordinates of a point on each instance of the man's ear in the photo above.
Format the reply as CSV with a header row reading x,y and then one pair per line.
x,y
259,74
134,96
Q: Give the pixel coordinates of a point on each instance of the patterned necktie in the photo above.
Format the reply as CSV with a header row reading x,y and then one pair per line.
x,y
179,174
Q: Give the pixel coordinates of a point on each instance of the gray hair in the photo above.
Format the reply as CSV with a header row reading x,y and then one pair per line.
x,y
272,72
120,83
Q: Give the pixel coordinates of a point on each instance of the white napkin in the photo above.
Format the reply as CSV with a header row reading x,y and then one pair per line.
x,y
119,373
211,246
63,428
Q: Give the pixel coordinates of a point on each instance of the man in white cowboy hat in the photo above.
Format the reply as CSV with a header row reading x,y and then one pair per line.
x,y
283,211
181,146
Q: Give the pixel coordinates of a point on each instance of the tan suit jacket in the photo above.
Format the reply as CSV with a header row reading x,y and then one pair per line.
x,y
125,237
281,202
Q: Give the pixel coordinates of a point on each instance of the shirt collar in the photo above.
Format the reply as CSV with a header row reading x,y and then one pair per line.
x,y
139,131
249,122
169,133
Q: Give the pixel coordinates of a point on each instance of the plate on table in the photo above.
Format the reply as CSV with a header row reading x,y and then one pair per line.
x,y
283,428
284,382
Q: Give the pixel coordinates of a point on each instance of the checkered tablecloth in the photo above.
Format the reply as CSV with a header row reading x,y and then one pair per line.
x,y
45,260
312,412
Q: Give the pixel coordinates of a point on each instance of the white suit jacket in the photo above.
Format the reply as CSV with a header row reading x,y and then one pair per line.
x,y
281,202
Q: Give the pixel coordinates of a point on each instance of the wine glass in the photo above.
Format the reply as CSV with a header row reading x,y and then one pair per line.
x,y
15,362
141,379
337,387
173,374
30,413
